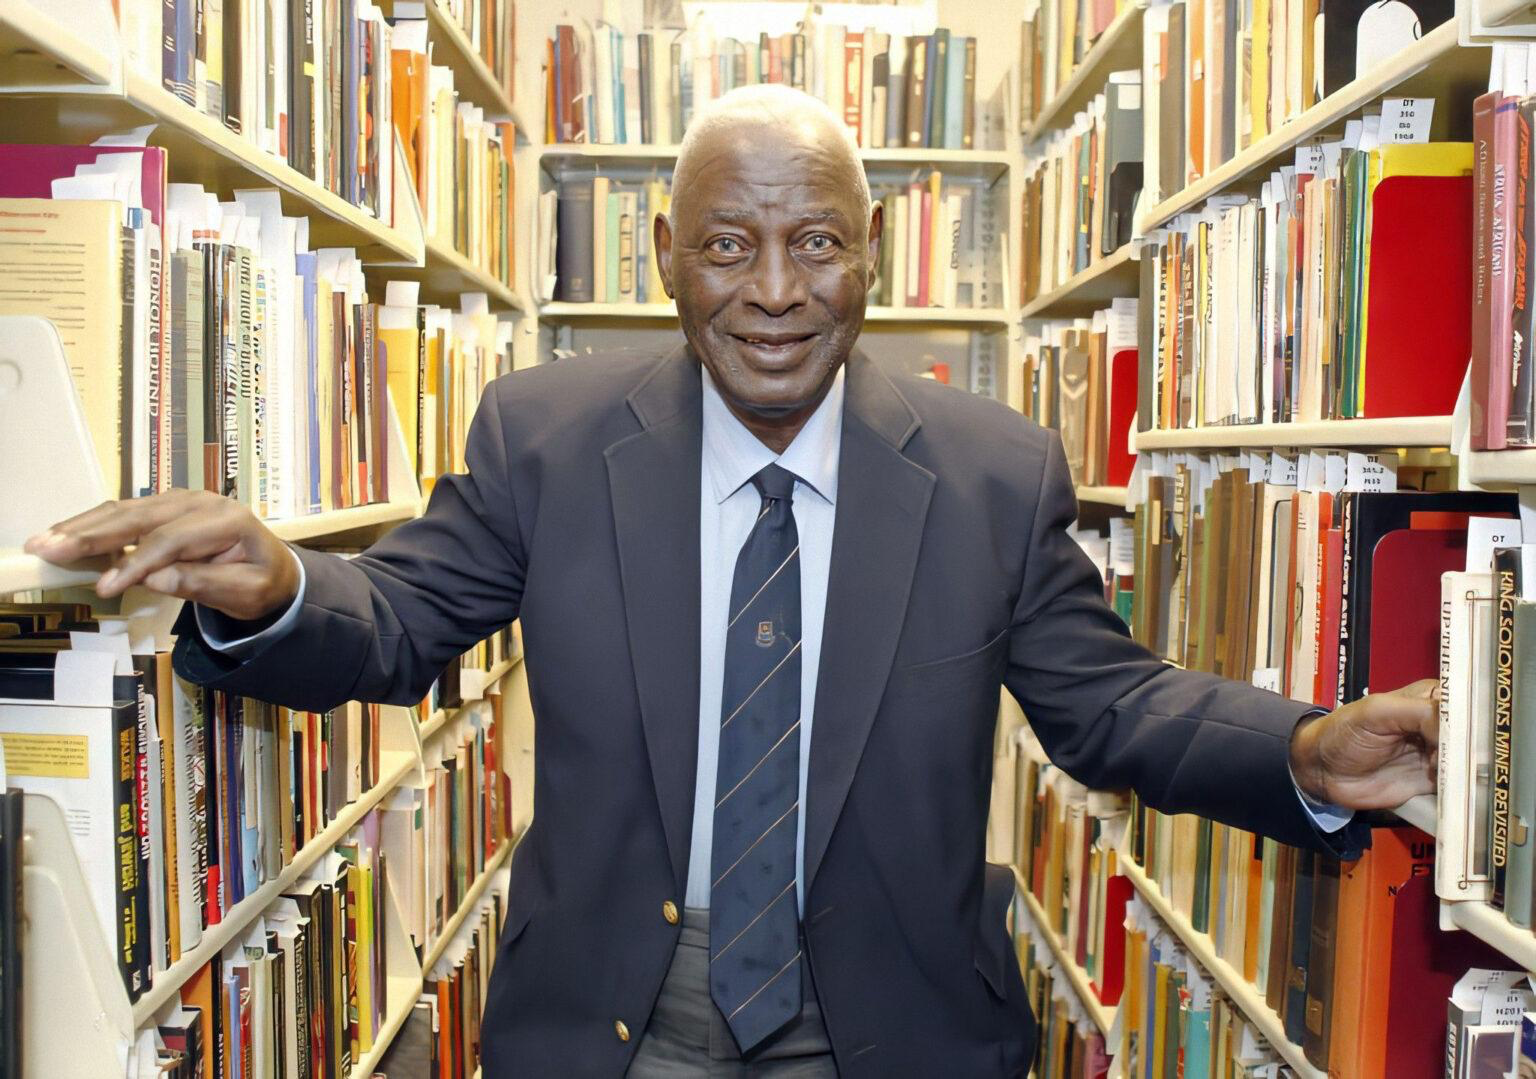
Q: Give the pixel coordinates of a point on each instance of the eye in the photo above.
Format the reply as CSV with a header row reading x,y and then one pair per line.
x,y
820,243
726,245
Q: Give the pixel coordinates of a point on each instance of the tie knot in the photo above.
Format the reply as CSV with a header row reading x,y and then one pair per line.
x,y
775,482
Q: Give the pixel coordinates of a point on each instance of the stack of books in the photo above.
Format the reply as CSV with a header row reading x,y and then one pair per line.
x,y
1322,297
621,81
1080,190
1079,378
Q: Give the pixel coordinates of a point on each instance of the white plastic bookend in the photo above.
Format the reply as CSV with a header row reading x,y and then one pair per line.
x,y
403,486
42,426
77,1019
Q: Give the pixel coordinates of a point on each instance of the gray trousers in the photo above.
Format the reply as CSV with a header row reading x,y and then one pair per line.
x,y
687,1037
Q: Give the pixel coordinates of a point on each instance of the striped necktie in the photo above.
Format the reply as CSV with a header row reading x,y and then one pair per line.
x,y
754,939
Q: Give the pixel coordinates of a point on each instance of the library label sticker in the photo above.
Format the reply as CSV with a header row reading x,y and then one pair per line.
x,y
1406,119
1371,472
56,756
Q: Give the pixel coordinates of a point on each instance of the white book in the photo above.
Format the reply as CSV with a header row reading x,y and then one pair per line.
x,y
1461,836
950,262
629,82
603,71
1154,27
188,763
914,244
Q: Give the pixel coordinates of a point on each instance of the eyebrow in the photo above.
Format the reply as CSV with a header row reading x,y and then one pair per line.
x,y
730,216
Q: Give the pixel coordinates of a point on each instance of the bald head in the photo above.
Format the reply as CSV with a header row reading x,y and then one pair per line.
x,y
750,113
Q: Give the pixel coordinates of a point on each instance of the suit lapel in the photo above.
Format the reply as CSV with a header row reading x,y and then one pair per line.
x,y
882,504
653,482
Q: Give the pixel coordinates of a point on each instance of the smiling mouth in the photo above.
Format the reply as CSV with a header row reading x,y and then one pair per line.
x,y
772,342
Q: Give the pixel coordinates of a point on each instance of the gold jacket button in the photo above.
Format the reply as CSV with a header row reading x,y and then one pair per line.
x,y
669,912
621,1030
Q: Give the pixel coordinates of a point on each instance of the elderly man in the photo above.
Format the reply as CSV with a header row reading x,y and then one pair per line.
x,y
769,595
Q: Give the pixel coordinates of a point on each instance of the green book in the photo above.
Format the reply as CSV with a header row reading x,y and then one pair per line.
x,y
1200,918
1522,772
938,82
611,248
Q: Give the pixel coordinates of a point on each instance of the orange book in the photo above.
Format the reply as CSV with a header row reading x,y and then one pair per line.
x,y
1194,87
1365,953
197,992
1255,847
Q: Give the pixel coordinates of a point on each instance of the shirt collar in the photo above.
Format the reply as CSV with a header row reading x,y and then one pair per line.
x,y
733,454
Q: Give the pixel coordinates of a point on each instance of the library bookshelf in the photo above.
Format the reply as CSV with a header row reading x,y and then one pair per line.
x,y
1091,289
1117,48
38,51
1082,985
1238,989
1434,66
473,77
1433,431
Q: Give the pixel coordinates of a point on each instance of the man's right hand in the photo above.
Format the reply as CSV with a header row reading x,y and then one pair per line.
x,y
195,545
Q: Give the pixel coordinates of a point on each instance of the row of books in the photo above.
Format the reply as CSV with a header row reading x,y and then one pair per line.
x,y
441,1037
1220,76
460,162
1079,195
490,26
1079,378
939,247
1349,955
1503,393
1306,302
1111,547
244,362
1067,1044
1054,38
623,81
307,81
445,830
186,801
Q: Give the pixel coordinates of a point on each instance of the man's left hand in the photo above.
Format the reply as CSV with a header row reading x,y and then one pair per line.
x,y
1374,753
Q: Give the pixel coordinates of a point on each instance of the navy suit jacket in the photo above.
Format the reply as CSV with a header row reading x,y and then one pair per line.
x,y
952,576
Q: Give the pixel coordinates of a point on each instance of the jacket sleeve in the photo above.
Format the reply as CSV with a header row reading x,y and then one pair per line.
x,y
381,626
1114,716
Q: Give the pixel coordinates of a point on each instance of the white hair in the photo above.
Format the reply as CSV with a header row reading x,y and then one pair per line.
x,y
772,103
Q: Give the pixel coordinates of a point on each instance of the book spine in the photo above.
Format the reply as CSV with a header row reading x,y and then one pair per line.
x,y
1518,425
132,928
1483,259
1506,592
1522,770
917,89
853,83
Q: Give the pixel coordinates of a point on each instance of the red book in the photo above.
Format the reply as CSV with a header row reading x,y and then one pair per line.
x,y
1405,603
853,82
1122,413
925,249
1488,197
1117,896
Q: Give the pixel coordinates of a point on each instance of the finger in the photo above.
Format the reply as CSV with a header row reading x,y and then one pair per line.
x,y
112,526
193,537
1411,710
238,589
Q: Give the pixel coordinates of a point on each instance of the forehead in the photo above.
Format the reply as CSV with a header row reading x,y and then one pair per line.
x,y
763,168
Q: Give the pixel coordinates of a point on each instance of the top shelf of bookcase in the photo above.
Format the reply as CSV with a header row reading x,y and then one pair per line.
x,y
1112,276
1433,66
990,164
1118,48
38,50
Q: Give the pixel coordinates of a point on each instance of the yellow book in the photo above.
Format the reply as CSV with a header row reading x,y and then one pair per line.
x,y
936,239
400,337
63,260
600,187
1159,1033
1258,92
362,894
431,411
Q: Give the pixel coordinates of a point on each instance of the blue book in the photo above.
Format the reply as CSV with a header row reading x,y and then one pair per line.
x,y
954,94
620,135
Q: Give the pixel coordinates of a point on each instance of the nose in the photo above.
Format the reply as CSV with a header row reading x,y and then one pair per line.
x,y
778,283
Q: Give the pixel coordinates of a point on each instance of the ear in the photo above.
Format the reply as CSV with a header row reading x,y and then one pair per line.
x,y
661,241
876,235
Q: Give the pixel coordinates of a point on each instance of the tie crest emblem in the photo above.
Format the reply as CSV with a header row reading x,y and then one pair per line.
x,y
765,634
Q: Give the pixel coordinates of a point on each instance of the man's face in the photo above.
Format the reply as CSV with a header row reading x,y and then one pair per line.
x,y
769,255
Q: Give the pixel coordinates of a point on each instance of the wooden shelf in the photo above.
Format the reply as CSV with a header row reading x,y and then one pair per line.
x,y
1082,985
204,151
25,573
1434,66
1408,431
1499,468
439,719
1242,992
168,982
1112,276
1118,48
1102,496
472,76
989,163
448,274
38,50
320,525
594,312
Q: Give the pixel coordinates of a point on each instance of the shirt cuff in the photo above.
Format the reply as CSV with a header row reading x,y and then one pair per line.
x,y
216,627
1328,818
